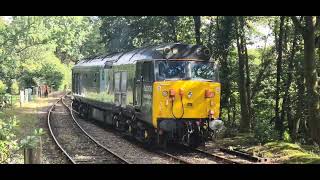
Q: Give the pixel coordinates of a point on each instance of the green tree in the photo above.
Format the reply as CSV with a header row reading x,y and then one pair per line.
x,y
278,123
245,116
308,31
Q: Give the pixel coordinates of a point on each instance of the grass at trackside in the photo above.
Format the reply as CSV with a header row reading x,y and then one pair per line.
x,y
286,152
241,140
279,151
27,115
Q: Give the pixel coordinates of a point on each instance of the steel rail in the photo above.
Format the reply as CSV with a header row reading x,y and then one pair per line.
x,y
92,138
54,137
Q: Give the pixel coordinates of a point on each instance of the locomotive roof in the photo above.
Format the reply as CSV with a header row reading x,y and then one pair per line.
x,y
171,51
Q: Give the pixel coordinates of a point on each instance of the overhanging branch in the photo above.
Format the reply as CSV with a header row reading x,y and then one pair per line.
x,y
35,44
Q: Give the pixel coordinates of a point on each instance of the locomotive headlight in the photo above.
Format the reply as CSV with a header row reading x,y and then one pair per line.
x,y
189,94
206,51
167,50
175,51
165,93
216,125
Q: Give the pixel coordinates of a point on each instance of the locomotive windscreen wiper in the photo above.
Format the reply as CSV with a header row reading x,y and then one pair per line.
x,y
173,79
186,78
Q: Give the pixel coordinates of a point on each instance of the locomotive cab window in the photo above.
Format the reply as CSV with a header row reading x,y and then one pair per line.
x,y
186,70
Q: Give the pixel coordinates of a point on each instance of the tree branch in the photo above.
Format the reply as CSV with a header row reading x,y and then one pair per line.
x,y
317,26
317,22
35,44
262,72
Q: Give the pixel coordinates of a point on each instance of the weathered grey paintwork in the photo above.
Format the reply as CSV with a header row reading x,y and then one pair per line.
x,y
124,80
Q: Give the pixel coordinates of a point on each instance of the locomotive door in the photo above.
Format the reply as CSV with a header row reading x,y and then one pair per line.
x,y
120,88
138,86
77,83
144,80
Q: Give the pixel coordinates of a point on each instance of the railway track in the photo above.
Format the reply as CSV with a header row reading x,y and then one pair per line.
x,y
172,158
184,154
75,143
219,158
245,155
188,155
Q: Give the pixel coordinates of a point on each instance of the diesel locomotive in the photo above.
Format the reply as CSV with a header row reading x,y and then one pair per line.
x,y
157,94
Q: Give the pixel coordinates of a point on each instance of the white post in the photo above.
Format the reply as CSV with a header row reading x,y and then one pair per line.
x,y
29,94
21,97
26,95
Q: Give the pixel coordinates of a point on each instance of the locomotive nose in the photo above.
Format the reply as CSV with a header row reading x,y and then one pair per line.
x,y
186,99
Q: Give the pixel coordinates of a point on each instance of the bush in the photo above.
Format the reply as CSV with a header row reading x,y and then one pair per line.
x,y
47,70
3,87
264,132
33,140
7,138
14,88
286,136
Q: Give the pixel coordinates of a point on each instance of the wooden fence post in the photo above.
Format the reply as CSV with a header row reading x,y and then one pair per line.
x,y
33,155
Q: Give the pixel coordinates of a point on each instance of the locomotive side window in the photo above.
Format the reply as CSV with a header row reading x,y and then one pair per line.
x,y
117,76
124,82
95,77
103,74
138,71
72,85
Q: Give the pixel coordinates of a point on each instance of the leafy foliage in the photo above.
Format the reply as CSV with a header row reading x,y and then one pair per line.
x,y
3,87
7,137
264,132
44,48
33,140
14,88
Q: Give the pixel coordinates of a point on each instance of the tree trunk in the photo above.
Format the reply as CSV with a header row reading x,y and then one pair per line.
x,y
311,79
197,26
245,120
286,99
227,86
299,115
233,112
248,82
278,123
223,34
247,70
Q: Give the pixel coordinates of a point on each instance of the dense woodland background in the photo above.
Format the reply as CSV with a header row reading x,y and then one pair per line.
x,y
269,65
